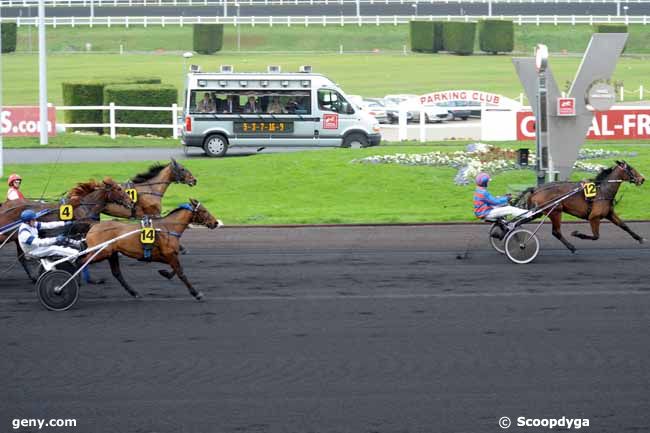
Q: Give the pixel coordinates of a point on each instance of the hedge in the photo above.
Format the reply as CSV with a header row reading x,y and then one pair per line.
x,y
208,38
9,31
496,36
426,36
458,37
92,93
148,95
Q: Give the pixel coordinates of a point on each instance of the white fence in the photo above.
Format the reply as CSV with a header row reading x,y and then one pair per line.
x,y
112,125
115,3
320,20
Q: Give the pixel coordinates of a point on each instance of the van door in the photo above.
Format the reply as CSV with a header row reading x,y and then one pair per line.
x,y
337,116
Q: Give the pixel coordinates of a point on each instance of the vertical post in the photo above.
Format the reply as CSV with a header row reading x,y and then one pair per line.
x,y
622,93
92,10
111,119
423,131
641,93
238,29
490,8
225,8
358,8
175,120
543,166
42,71
618,8
402,127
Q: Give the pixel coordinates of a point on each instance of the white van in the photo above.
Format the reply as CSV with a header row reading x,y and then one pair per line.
x,y
227,109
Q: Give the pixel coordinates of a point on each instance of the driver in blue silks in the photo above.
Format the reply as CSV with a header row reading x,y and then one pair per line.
x,y
489,207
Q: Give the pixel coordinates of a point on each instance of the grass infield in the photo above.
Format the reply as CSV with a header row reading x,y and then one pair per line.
x,y
324,186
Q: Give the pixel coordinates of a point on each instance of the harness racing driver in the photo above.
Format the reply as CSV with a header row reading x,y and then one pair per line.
x,y
44,247
489,207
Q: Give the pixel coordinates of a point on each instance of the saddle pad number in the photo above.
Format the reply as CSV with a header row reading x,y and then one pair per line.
x,y
590,190
133,194
66,212
148,235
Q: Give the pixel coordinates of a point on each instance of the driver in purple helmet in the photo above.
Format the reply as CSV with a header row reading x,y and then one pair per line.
x,y
489,207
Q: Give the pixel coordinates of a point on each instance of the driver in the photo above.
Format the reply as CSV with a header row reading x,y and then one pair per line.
x,y
489,207
44,247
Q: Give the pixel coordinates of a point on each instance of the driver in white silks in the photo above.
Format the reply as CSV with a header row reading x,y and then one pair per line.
x,y
489,207
34,246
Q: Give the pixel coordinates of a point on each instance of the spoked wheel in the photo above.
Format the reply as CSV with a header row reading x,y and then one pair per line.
x,y
54,293
522,246
497,238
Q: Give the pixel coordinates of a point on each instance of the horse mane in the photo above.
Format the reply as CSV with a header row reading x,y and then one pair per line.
x,y
81,190
152,172
602,174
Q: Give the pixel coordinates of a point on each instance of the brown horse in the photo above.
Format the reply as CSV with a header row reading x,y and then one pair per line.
x,y
88,200
165,248
594,209
151,186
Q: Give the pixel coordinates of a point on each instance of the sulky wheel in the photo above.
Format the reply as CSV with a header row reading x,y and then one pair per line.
x,y
497,238
522,246
53,294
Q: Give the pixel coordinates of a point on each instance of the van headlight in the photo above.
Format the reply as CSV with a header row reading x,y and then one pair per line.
x,y
376,127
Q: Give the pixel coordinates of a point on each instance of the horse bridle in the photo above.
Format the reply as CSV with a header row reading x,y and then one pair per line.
x,y
628,170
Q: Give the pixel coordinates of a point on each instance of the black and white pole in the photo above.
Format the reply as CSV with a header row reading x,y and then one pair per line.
x,y
541,114
42,71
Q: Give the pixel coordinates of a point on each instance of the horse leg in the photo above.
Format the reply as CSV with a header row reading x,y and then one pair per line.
x,y
556,221
176,266
594,222
114,260
167,274
619,222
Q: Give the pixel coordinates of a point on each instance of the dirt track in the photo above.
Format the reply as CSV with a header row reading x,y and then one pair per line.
x,y
357,329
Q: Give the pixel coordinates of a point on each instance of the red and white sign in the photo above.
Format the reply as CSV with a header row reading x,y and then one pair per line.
x,y
330,121
485,98
619,124
566,106
24,121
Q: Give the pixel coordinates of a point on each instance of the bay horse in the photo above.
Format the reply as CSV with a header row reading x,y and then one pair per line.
x,y
608,181
88,200
151,187
166,247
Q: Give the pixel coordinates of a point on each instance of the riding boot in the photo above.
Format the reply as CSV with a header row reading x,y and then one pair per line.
x,y
88,279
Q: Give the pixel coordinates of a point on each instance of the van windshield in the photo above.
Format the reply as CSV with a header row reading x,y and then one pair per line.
x,y
250,101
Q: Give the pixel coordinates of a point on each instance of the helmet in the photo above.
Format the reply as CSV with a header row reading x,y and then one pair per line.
x,y
482,179
12,178
27,215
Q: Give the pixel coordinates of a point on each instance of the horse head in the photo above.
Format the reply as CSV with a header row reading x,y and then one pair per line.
x,y
181,174
630,174
113,193
202,216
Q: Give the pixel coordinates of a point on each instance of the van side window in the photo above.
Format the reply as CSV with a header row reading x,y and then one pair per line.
x,y
330,100
267,101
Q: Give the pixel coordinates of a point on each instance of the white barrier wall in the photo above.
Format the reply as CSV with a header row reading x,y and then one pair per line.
x,y
498,125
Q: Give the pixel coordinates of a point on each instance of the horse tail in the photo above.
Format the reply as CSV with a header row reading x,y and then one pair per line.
x,y
522,200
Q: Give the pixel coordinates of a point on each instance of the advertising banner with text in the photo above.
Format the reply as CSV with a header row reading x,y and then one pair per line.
x,y
24,121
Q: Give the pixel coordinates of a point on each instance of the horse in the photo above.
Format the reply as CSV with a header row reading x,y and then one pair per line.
x,y
165,248
608,181
151,186
87,199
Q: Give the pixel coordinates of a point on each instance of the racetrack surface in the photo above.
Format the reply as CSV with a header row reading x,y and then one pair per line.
x,y
341,329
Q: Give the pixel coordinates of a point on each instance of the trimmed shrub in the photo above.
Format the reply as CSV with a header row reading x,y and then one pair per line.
x,y
143,95
459,37
425,36
208,38
9,32
92,93
612,28
496,36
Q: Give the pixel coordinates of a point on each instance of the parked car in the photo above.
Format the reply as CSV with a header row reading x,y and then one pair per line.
x,y
376,108
457,109
432,113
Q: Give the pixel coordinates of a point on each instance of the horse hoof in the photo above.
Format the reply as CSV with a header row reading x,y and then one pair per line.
x,y
575,233
136,295
642,240
96,282
199,296
165,274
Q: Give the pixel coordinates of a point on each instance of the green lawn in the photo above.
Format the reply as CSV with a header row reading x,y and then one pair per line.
x,y
300,38
88,140
323,186
364,74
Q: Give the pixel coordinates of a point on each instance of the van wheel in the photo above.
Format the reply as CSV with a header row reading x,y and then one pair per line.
x,y
355,140
215,145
